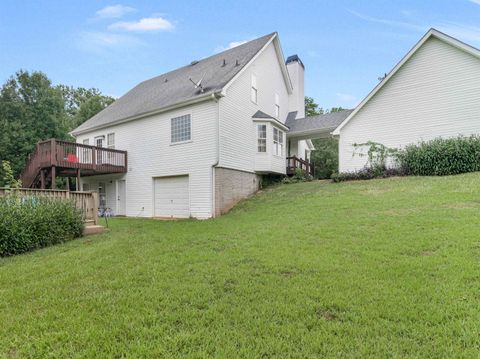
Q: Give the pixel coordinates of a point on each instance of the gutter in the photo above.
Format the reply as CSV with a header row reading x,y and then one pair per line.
x,y
202,98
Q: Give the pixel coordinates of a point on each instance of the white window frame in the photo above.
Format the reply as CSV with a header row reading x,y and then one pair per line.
x,y
261,137
278,141
277,106
254,90
111,144
189,130
102,138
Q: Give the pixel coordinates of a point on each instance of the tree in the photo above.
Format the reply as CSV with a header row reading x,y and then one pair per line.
x,y
82,104
311,108
325,156
8,178
33,110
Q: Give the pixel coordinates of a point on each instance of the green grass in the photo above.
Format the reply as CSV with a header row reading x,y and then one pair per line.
x,y
384,268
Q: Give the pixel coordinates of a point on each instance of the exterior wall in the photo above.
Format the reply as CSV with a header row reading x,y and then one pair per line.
x,y
231,186
436,93
268,162
150,155
237,133
110,182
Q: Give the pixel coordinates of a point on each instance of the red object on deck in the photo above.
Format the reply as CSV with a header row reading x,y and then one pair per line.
x,y
72,158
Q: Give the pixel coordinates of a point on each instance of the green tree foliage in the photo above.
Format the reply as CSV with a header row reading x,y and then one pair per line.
x,y
8,178
325,156
82,104
33,110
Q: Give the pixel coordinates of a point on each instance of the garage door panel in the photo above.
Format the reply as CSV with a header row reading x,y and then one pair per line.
x,y
172,197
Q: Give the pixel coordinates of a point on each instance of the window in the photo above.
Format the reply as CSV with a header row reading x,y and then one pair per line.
x,y
261,138
277,106
181,129
277,142
254,91
111,140
86,141
99,141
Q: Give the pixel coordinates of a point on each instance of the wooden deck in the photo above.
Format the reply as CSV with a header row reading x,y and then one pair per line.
x,y
54,158
294,163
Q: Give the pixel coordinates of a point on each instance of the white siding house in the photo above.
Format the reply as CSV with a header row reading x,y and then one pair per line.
x,y
195,150
433,92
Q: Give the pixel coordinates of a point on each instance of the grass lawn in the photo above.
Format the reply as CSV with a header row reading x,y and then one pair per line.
x,y
384,268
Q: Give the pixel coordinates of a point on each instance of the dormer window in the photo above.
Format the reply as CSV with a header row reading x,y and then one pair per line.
x,y
277,106
254,91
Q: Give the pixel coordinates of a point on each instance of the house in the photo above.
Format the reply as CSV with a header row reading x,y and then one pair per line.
x,y
199,138
434,91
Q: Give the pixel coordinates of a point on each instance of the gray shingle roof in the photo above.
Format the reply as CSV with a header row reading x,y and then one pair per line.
x,y
326,122
175,87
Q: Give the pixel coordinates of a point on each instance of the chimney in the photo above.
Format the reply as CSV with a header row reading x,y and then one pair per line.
x,y
296,71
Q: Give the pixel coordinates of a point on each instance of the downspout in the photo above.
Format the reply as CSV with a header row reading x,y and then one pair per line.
x,y
215,164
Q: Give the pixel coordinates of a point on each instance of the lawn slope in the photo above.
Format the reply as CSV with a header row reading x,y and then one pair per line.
x,y
385,268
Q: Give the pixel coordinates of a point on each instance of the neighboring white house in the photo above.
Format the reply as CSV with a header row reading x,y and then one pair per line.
x,y
434,91
199,138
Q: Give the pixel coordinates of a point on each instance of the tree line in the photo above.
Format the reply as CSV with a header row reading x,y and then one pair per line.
x,y
32,109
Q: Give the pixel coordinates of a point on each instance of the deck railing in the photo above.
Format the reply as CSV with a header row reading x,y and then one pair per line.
x,y
70,155
294,163
87,202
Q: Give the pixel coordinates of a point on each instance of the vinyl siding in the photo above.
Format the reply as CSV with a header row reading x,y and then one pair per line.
x,y
436,93
151,155
238,138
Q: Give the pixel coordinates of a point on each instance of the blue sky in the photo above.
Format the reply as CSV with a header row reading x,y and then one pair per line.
x,y
113,45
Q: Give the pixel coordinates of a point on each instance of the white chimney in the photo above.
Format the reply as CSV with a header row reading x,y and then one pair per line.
x,y
296,71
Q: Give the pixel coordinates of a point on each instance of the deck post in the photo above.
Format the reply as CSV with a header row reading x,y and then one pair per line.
x,y
53,152
78,180
42,179
95,207
54,185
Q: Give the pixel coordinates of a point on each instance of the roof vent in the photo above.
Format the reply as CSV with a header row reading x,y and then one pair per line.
x,y
224,63
194,62
166,80
237,63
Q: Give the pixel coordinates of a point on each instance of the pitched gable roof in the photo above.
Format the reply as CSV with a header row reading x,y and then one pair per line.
x,y
315,124
174,87
431,33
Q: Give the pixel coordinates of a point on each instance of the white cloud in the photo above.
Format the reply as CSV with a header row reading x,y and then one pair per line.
x,y
464,32
101,41
143,25
114,11
395,23
230,45
346,98
475,1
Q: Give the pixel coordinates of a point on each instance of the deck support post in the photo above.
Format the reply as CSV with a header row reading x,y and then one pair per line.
x,y
78,180
42,179
54,185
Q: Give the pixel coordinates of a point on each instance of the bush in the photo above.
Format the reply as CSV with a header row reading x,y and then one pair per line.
x,y
299,176
30,223
441,157
366,174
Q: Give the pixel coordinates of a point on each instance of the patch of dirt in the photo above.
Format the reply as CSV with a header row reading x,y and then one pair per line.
x,y
464,205
329,313
427,253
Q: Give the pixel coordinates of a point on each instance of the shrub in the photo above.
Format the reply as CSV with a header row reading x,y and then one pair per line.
x,y
366,174
299,176
30,223
440,157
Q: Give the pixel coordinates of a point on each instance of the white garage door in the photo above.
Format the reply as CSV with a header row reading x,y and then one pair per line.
x,y
172,197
